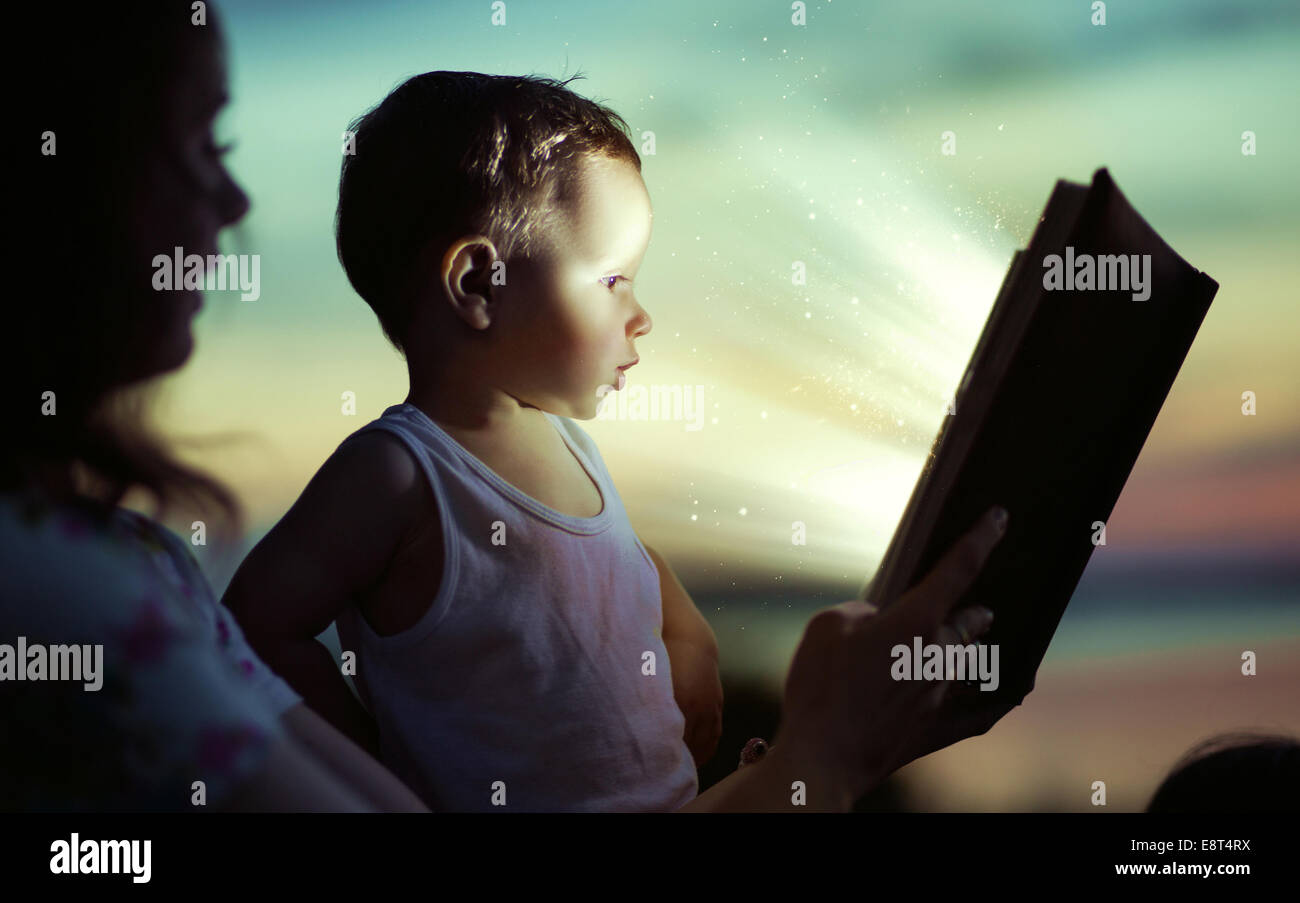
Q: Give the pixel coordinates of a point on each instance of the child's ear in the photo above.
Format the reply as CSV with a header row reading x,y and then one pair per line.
x,y
466,277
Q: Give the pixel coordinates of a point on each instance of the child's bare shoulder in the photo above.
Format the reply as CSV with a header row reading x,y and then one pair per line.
x,y
398,595
362,507
379,455
374,475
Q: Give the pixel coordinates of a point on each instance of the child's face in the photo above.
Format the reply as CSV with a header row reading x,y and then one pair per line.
x,y
572,316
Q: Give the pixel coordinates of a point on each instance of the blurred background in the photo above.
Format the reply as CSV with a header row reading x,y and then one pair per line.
x,y
778,145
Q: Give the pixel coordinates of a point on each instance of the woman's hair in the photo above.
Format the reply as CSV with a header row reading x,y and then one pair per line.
x,y
448,154
79,302
1239,772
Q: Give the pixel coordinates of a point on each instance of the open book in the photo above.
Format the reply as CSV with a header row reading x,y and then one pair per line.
x,y
1084,341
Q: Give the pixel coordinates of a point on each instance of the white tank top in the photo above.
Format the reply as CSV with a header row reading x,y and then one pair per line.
x,y
528,667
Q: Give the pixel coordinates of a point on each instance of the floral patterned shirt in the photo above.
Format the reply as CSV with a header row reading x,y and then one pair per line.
x,y
182,699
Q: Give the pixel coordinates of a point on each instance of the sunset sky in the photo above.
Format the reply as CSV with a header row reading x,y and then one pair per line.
x,y
821,143
817,403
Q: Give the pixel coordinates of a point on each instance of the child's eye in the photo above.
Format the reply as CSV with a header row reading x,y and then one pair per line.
x,y
610,281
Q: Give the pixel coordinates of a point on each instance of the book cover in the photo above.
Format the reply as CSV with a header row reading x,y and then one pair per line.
x,y
1080,350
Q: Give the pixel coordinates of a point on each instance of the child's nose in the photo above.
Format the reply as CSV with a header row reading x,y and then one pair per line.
x,y
641,322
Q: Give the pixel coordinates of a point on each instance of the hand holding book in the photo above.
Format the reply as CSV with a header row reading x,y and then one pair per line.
x,y
845,664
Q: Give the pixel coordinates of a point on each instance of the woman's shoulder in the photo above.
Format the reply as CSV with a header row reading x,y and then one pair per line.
x,y
104,574
66,564
175,696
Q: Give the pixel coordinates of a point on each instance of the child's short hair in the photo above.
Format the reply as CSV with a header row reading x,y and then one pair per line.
x,y
453,153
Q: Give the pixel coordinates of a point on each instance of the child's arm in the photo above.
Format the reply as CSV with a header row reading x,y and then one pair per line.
x,y
336,540
693,659
767,785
